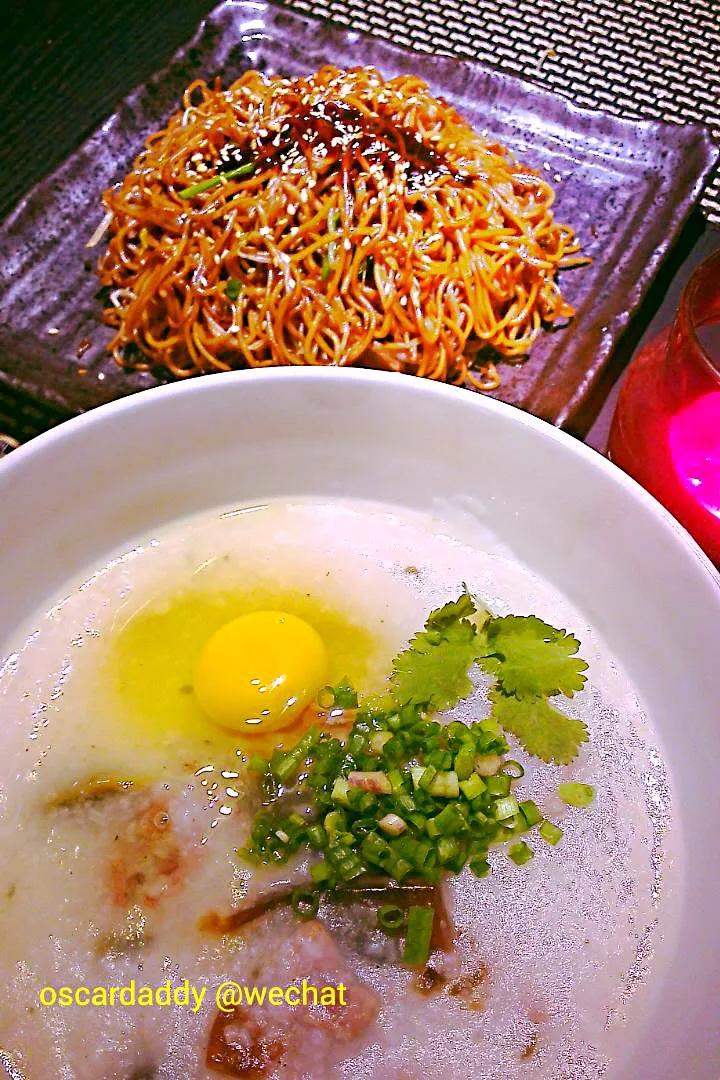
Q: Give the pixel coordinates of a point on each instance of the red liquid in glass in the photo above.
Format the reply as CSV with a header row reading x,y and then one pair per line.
x,y
666,428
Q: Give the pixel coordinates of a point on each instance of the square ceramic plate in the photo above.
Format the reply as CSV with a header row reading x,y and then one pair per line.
x,y
625,187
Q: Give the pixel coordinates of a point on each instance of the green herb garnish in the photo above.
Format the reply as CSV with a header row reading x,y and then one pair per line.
x,y
551,833
532,659
520,853
414,799
419,933
330,256
366,271
214,181
576,794
541,729
390,917
433,670
233,288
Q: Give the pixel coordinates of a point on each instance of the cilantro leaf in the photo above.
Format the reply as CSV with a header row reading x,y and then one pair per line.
x,y
532,659
433,670
541,729
450,613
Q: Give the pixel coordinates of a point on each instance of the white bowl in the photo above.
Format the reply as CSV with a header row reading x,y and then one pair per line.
x,y
85,489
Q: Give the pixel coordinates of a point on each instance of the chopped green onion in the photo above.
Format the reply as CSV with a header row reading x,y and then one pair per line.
x,y
520,853
330,257
362,802
405,803
401,868
417,772
444,785
464,762
397,782
487,764
321,872
419,935
402,794
427,778
214,181
233,288
316,837
340,791
390,917
576,794
378,740
530,812
456,729
550,832
305,903
257,764
431,828
376,850
513,769
335,822
441,759
350,867
365,272
449,821
506,807
448,849
472,787
345,695
284,765
498,785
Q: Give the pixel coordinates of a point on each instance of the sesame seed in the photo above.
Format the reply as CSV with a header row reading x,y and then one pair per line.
x,y
53,330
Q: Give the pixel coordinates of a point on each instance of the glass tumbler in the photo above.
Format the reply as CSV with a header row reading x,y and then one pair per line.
x,y
666,427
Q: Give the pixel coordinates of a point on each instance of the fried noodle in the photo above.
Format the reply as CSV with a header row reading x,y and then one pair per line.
x,y
334,219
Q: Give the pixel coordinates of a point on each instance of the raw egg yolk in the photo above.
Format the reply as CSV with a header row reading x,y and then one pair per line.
x,y
258,672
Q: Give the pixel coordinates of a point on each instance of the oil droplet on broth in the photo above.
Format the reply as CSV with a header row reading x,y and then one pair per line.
x,y
153,653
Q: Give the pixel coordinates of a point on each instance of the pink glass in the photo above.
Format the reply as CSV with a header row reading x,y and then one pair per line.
x,y
666,427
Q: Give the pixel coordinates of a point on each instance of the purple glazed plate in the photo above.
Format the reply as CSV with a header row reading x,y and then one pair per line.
x,y
626,188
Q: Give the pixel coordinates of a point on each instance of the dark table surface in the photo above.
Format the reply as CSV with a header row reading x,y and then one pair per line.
x,y
67,64
65,67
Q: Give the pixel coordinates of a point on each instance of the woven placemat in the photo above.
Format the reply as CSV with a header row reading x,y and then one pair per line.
x,y
655,59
